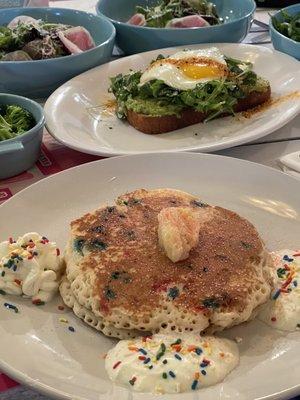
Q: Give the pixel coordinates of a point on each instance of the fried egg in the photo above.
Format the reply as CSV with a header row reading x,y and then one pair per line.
x,y
185,69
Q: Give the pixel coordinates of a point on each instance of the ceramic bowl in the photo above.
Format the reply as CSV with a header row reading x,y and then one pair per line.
x,y
20,153
39,78
132,39
281,42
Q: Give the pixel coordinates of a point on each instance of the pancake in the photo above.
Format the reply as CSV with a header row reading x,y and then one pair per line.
x,y
118,271
89,318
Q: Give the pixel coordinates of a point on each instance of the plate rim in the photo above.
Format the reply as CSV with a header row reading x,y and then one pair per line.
x,y
53,392
216,146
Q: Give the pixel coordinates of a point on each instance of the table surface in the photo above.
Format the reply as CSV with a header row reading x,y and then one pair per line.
x,y
56,157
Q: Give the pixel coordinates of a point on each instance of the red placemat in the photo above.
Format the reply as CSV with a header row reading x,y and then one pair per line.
x,y
54,158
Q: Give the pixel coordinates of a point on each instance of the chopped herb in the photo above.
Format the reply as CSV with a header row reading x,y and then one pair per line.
x,y
173,292
165,362
2,292
78,245
109,293
164,375
3,273
211,302
136,201
161,351
125,203
298,325
111,209
178,341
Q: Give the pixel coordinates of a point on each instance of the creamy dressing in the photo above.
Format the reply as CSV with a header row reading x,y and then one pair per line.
x,y
30,266
283,309
171,364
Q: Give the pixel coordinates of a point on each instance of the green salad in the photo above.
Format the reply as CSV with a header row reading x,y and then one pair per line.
x,y
14,121
215,97
177,14
26,39
288,26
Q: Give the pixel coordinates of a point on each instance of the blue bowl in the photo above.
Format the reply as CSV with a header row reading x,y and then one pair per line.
x,y
41,77
20,153
238,15
281,42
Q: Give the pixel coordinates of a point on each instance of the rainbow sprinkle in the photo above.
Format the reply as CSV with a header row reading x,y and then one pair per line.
x,y
11,307
117,364
132,381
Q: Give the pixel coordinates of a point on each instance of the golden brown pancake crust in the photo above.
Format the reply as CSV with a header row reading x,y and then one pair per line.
x,y
132,270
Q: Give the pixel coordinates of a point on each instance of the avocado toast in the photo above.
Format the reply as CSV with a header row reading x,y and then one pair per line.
x,y
186,88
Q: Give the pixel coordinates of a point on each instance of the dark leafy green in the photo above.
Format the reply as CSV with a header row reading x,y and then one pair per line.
x,y
288,25
166,10
213,98
14,121
6,39
38,41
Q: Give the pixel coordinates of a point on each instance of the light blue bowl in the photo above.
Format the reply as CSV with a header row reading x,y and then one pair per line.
x,y
41,77
238,15
20,153
281,42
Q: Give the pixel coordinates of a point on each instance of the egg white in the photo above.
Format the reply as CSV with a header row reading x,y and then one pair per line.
x,y
174,77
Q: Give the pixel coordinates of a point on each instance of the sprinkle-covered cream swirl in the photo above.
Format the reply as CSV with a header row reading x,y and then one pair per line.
x,y
283,309
171,364
30,266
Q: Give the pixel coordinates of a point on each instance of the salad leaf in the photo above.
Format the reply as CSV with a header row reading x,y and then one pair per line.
x,y
123,87
23,33
160,15
6,38
14,120
289,26
213,98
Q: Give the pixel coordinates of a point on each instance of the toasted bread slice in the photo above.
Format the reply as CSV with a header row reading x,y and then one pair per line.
x,y
155,125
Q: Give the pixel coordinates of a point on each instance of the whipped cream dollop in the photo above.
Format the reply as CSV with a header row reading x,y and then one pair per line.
x,y
30,266
282,311
171,364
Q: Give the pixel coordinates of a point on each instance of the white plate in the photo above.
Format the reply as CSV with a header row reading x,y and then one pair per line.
x,y
38,350
71,120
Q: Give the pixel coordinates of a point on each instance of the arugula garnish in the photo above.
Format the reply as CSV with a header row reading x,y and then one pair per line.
x,y
213,98
161,14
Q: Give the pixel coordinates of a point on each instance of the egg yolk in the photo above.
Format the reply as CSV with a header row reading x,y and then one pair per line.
x,y
195,71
